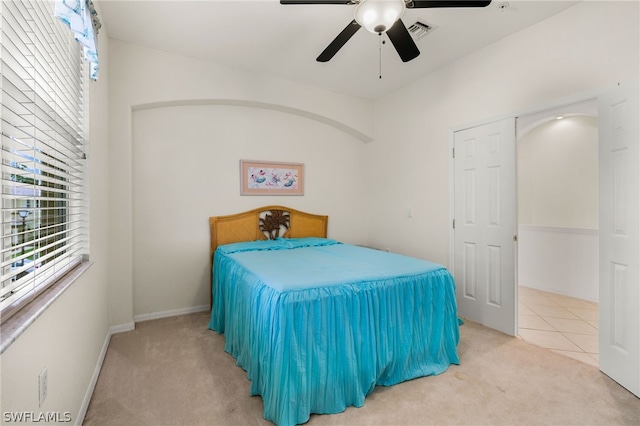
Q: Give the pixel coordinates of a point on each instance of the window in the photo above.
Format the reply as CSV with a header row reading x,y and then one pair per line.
x,y
43,123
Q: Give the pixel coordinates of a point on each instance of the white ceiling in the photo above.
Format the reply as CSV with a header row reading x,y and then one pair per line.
x,y
266,37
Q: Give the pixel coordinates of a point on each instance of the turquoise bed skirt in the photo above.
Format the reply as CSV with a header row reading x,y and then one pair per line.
x,y
316,341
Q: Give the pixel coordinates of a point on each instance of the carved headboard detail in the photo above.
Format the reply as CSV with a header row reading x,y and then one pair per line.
x,y
273,222
265,223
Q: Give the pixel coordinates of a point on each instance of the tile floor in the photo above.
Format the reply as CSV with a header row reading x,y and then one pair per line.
x,y
560,323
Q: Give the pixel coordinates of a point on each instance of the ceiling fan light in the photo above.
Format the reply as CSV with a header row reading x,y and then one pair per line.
x,y
378,16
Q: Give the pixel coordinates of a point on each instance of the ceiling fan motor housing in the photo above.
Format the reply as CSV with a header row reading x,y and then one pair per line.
x,y
377,16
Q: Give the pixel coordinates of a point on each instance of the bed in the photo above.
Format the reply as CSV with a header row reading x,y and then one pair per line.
x,y
316,323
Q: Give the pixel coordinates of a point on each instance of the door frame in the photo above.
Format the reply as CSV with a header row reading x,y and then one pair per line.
x,y
583,97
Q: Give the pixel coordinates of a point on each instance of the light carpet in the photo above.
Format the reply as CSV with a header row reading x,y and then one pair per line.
x,y
174,371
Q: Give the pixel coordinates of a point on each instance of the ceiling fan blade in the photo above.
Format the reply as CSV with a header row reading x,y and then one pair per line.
x,y
338,42
419,4
402,41
316,2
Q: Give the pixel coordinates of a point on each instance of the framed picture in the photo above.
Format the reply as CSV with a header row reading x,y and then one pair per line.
x,y
271,178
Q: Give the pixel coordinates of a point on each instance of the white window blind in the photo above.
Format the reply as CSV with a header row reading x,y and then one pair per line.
x,y
43,123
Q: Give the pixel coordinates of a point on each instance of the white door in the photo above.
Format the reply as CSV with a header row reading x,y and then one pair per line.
x,y
485,224
619,158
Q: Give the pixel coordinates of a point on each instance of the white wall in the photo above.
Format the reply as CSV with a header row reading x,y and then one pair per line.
x,y
588,47
558,174
69,338
559,260
558,207
186,168
214,116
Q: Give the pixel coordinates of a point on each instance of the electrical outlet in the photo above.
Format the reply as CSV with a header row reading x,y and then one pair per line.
x,y
42,386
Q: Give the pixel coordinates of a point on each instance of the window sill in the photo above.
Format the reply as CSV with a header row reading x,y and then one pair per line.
x,y
11,329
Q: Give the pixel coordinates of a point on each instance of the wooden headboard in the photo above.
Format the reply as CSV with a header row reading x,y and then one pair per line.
x,y
265,223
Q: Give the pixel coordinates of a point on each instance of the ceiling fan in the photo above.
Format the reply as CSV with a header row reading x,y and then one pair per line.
x,y
383,16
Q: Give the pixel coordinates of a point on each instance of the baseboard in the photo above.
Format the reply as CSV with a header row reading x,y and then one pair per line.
x,y
94,380
123,328
170,313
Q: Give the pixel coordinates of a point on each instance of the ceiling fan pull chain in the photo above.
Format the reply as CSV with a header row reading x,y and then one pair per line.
x,y
380,57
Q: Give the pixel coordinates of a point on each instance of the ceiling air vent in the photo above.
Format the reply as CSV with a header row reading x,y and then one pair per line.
x,y
419,30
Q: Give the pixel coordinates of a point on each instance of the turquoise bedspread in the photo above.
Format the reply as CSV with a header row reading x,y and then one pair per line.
x,y
318,324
